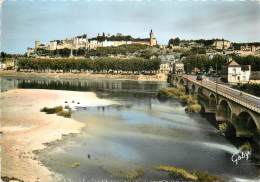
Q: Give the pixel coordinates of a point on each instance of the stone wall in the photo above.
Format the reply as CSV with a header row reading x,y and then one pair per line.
x,y
157,77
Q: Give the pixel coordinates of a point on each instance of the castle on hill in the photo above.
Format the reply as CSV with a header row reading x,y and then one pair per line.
x,y
83,42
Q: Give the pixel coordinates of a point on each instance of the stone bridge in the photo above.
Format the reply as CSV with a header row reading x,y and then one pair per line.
x,y
240,110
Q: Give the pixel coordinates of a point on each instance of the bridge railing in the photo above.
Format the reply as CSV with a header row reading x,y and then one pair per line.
x,y
229,93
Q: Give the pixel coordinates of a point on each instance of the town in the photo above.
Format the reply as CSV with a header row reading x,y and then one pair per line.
x,y
214,57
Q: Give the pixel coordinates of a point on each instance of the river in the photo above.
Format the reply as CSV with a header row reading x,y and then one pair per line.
x,y
139,132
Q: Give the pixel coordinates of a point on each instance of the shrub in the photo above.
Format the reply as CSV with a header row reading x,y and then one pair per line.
x,y
179,93
52,110
173,92
223,127
58,110
198,176
75,164
177,171
246,147
129,175
66,114
195,108
205,177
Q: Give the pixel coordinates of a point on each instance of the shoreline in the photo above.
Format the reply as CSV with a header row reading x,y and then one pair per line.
x,y
29,131
160,77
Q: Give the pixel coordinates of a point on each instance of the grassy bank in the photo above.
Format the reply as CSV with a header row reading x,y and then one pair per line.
x,y
126,174
180,93
57,110
183,174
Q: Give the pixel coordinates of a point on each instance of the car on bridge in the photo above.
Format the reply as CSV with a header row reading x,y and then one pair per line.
x,y
199,77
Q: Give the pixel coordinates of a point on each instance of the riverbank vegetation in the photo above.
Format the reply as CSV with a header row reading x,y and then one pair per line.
x,y
100,65
180,93
223,128
246,147
250,88
182,174
203,62
128,175
57,110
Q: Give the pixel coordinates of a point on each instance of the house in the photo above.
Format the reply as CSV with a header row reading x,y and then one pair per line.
x,y
165,67
235,73
178,67
2,66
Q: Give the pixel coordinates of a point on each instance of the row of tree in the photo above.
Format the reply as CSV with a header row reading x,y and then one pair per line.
x,y
206,42
203,62
254,61
97,65
118,37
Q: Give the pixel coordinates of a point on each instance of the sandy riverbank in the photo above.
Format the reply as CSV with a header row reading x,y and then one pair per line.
x,y
26,129
157,77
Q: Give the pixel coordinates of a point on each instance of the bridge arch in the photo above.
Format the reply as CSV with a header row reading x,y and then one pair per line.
x,y
212,101
181,82
203,107
224,110
200,91
193,89
246,123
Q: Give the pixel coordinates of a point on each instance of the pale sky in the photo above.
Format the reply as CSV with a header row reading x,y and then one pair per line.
x,y
25,21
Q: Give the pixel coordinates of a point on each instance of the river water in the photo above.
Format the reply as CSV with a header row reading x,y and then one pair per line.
x,y
141,132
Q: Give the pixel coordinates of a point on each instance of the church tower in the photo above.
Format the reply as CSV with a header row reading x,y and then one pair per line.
x,y
153,40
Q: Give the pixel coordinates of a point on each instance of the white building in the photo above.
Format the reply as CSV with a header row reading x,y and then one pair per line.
x,y
53,45
93,44
178,67
80,42
107,43
221,44
165,67
2,66
235,73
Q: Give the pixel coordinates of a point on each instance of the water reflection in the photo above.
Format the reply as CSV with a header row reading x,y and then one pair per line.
x,y
91,85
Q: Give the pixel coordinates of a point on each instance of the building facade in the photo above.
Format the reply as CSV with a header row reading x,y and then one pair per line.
x,y
82,42
165,67
235,73
222,44
178,68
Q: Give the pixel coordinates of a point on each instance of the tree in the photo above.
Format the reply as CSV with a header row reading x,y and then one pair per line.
x,y
176,41
98,65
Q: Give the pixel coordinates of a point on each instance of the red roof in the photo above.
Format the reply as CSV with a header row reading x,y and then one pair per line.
x,y
233,64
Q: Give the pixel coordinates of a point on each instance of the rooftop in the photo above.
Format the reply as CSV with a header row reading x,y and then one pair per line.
x,y
233,64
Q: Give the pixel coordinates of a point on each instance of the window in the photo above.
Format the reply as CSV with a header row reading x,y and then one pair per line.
x,y
234,70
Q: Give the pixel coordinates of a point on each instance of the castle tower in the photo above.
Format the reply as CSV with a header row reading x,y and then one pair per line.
x,y
153,40
71,53
37,44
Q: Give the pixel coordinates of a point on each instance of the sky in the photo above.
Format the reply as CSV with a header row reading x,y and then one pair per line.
x,y
24,21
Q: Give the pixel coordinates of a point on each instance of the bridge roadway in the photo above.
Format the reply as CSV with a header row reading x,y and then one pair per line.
x,y
249,101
